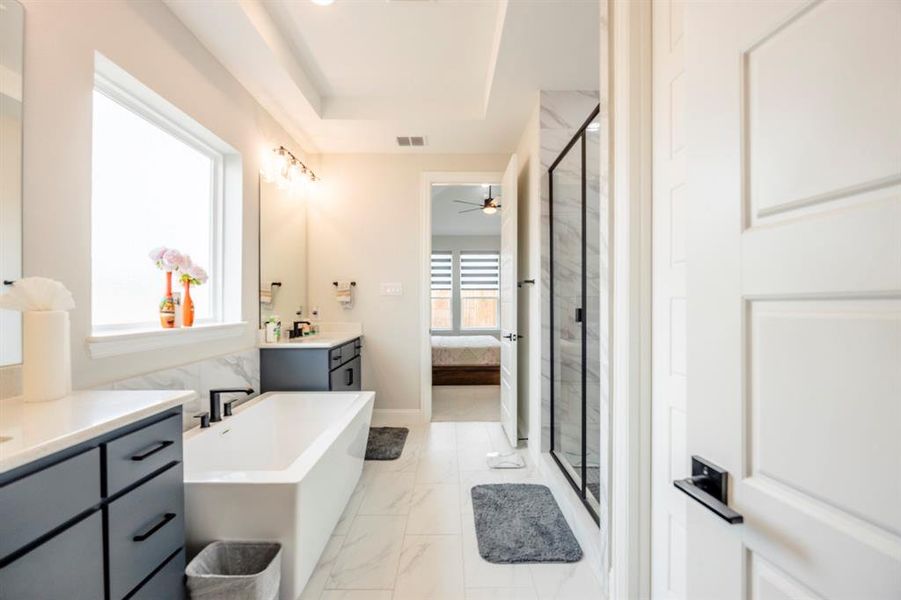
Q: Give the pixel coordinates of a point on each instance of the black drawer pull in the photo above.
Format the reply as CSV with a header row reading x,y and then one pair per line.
x,y
153,450
159,525
348,376
336,357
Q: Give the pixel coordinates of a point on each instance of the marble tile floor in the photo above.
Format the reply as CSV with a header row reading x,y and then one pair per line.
x,y
408,532
466,402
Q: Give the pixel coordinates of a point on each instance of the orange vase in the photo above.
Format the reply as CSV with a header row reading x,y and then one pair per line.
x,y
187,308
167,305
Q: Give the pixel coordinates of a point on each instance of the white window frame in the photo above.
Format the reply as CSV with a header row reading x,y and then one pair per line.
x,y
140,109
226,191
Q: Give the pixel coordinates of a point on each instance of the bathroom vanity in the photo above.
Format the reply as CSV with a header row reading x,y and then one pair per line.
x,y
326,362
91,493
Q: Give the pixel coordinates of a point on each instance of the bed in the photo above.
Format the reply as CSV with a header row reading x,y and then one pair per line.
x,y
466,360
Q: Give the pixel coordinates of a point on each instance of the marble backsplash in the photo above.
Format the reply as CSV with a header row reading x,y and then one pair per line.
x,y
241,369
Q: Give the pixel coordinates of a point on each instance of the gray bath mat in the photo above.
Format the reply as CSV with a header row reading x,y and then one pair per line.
x,y
386,443
521,523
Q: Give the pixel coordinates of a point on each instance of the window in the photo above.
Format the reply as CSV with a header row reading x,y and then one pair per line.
x,y
479,290
442,291
154,184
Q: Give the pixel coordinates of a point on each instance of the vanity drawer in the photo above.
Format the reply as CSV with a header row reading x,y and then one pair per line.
x,y
138,454
145,527
335,357
350,350
168,582
68,565
37,503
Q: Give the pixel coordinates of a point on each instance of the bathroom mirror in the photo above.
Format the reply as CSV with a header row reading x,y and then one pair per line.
x,y
283,253
12,17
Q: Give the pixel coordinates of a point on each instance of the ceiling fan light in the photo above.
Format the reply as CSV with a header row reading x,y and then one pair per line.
x,y
489,210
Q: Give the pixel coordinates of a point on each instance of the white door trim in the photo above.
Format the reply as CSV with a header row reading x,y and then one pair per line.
x,y
425,259
630,110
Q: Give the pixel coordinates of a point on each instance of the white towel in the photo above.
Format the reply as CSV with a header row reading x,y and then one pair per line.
x,y
344,294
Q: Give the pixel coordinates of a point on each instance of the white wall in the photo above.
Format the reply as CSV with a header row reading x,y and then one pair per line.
x,y
146,40
466,242
364,225
529,267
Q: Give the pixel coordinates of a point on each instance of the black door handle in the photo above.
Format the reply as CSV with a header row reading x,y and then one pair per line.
x,y
159,525
510,336
708,485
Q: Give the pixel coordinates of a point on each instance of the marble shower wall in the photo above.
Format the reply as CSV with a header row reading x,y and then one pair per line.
x,y
241,369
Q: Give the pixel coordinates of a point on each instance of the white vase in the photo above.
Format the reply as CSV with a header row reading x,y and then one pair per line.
x,y
46,360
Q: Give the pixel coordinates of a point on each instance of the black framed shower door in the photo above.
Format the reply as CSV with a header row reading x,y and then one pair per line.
x,y
575,281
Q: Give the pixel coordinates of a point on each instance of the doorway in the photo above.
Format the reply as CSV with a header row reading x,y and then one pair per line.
x,y
464,300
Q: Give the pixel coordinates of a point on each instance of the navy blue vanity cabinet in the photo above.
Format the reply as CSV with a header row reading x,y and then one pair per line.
x,y
312,369
102,520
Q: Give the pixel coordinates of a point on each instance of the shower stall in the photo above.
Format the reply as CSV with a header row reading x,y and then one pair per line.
x,y
579,334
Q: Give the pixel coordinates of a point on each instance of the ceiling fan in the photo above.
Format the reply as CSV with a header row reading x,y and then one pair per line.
x,y
488,206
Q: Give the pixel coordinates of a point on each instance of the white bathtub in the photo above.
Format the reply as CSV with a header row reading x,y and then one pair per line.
x,y
282,469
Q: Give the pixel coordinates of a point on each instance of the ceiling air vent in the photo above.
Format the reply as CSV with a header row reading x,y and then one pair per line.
x,y
412,140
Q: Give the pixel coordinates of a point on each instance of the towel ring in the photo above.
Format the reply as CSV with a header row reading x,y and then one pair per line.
x,y
352,283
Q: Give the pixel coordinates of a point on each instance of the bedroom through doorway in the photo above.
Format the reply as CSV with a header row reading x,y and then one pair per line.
x,y
465,301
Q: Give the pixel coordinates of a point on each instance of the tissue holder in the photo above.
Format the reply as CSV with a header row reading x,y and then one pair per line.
x,y
46,360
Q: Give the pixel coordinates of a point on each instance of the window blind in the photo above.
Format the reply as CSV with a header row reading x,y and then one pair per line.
x,y
478,270
442,271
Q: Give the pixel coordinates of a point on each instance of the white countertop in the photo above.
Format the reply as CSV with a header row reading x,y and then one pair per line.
x,y
38,429
321,340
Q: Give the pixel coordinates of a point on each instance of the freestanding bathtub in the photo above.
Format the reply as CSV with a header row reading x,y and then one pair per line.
x,y
281,469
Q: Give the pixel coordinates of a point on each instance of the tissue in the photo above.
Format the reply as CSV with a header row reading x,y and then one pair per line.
x,y
36,294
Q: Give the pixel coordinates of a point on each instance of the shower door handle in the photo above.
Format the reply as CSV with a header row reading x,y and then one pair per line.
x,y
579,315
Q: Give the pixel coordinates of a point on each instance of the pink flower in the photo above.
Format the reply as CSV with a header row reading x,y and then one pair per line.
x,y
198,275
173,260
156,255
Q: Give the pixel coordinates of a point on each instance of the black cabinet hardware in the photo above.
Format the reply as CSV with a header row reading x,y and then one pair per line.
x,y
524,281
151,451
578,315
709,485
140,537
348,377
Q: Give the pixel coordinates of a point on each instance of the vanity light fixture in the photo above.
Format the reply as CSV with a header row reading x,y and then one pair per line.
x,y
322,2
286,169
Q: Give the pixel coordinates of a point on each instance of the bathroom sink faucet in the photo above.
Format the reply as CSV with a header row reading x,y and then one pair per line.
x,y
215,406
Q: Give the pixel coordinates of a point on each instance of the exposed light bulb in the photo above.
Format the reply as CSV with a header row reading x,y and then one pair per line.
x,y
294,173
281,161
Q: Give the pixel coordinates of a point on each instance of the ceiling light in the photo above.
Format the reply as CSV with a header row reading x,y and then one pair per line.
x,y
322,2
489,209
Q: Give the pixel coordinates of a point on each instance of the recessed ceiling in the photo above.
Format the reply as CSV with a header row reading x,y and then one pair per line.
x,y
446,217
354,75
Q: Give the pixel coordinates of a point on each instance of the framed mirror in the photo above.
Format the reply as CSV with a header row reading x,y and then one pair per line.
x,y
283,254
12,21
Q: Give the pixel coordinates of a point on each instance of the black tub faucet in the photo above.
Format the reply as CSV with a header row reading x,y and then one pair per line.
x,y
215,406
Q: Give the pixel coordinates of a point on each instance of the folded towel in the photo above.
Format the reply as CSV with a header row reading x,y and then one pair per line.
x,y
344,294
265,297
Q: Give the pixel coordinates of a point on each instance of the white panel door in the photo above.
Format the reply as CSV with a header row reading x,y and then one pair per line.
x,y
509,232
793,135
669,460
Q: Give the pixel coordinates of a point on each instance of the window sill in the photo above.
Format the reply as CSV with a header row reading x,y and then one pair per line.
x,y
130,342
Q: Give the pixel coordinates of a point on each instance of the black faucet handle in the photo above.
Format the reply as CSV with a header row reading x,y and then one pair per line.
x,y
227,407
204,419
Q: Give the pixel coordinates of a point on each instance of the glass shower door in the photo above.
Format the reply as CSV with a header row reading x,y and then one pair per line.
x,y
579,322
567,306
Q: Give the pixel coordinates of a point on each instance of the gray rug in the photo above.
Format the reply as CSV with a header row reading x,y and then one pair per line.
x,y
521,523
386,443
